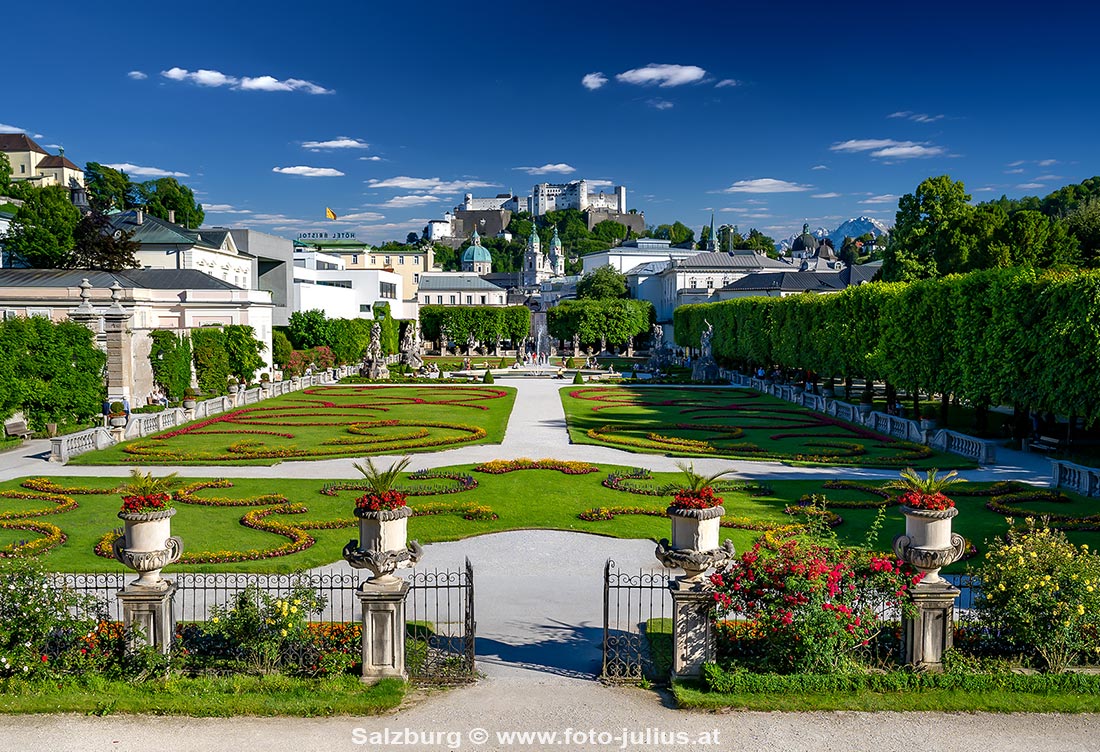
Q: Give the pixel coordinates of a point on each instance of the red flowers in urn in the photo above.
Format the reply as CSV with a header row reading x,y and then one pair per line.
x,y
704,498
380,501
146,504
145,494
925,492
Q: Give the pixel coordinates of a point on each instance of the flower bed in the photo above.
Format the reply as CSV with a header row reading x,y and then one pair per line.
x,y
499,467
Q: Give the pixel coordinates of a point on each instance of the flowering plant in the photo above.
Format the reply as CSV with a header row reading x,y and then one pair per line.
x,y
144,493
379,502
925,492
704,498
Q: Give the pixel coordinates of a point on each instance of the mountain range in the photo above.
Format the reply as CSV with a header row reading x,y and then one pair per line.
x,y
850,228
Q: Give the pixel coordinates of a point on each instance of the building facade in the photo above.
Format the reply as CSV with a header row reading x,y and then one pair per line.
x,y
321,281
547,197
409,264
460,288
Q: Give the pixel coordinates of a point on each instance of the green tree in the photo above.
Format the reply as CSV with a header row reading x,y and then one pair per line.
x,y
170,358
212,369
677,233
108,188
759,242
164,194
922,225
605,283
389,334
280,348
5,171
609,231
243,351
99,246
1084,222
41,235
309,329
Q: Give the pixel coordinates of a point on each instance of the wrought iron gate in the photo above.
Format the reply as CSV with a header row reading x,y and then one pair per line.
x,y
440,632
637,625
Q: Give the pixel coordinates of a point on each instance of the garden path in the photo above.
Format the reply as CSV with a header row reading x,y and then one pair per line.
x,y
535,429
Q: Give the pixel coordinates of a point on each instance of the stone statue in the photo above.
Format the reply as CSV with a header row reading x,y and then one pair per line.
x,y
576,344
375,363
444,341
704,340
471,344
410,348
705,368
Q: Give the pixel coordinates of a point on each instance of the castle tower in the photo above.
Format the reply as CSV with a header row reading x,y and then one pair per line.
x,y
477,258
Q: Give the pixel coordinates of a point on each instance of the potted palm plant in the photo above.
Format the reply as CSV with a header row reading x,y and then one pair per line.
x,y
147,544
383,524
928,543
696,514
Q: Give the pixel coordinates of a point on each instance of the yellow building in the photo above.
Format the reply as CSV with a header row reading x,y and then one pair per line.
x,y
410,263
29,161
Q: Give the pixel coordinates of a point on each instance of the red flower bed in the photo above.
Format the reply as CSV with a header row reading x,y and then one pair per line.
x,y
936,502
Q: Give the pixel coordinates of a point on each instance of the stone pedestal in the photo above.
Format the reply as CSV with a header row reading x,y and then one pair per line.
x,y
119,351
928,633
150,613
383,629
692,629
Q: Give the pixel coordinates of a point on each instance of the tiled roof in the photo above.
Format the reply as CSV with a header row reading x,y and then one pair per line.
x,y
19,142
789,282
746,260
649,269
58,161
154,230
455,281
150,279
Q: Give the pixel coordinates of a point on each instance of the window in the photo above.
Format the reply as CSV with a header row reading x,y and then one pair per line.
x,y
401,259
439,299
692,283
416,279
710,284
22,168
469,300
355,258
388,290
452,300
416,259
483,301
364,308
388,261
373,260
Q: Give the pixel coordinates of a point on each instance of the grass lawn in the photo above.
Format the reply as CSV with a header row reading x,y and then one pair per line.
x,y
327,421
205,696
695,697
729,422
545,499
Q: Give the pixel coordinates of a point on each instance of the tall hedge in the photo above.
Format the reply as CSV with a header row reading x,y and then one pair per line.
x,y
512,323
52,372
170,358
614,320
999,336
211,361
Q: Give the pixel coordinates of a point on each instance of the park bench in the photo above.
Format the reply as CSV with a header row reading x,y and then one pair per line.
x,y
1047,444
18,429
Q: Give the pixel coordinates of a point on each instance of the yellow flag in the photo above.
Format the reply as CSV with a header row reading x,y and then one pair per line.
x,y
330,213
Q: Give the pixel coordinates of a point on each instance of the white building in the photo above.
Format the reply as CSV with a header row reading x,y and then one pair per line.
x,y
459,288
547,197
322,280
634,252
31,162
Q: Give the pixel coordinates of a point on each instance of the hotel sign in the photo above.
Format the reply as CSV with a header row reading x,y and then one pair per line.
x,y
326,236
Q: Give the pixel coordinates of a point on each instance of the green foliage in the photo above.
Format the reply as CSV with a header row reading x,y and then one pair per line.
x,y
211,360
53,372
5,171
381,480
280,348
578,378
488,377
594,320
390,334
605,283
162,195
1046,591
930,484
96,247
243,351
146,484
512,323
349,339
170,359
1084,222
41,234
309,329
677,233
108,188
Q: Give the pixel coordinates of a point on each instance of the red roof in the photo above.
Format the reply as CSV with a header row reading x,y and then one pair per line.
x,y
57,161
11,142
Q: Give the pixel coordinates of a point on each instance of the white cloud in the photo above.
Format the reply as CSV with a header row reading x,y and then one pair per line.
x,y
404,202
137,75
428,185
755,201
885,198
599,183
548,168
1014,171
757,216
309,172
819,167
340,142
1030,186
663,75
224,209
727,82
146,172
1047,162
1039,178
213,78
733,209
593,81
660,104
360,217
825,195
5,128
885,148
916,117
372,158
1017,163
765,185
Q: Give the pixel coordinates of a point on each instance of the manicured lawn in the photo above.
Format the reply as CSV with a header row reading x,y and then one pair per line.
x,y
327,421
204,696
734,423
216,539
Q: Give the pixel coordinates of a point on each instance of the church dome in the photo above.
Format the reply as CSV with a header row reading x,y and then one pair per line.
x,y
805,241
476,252
555,243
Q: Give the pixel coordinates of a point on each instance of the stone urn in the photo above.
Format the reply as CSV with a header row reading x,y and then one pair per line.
x,y
117,421
928,543
147,545
233,388
694,546
383,545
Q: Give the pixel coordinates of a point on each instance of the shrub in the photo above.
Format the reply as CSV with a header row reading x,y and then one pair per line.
x,y
170,359
578,378
929,412
211,360
568,362
117,409
1046,591
488,377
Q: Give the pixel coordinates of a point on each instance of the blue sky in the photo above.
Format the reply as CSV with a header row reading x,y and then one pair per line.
x,y
389,112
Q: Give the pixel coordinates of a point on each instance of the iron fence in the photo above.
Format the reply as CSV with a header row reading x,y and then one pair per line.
x,y
637,625
441,628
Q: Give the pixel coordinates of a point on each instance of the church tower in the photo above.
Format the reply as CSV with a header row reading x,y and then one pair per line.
x,y
712,241
557,256
477,258
534,263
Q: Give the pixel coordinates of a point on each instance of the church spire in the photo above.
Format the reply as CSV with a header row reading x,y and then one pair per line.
x,y
712,241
